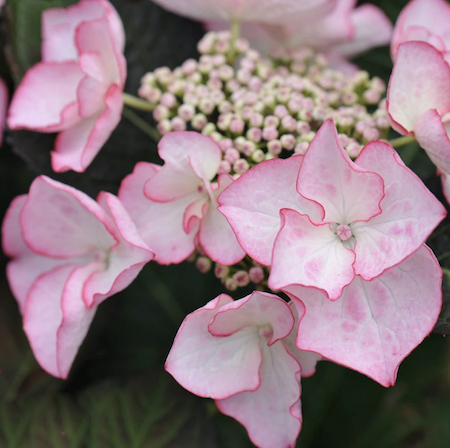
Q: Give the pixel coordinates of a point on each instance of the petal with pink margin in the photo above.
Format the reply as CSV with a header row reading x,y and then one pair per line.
x,y
419,82
44,316
253,202
160,224
123,262
46,98
76,147
271,414
191,160
310,255
4,100
26,266
372,29
216,235
53,211
211,366
259,309
410,214
433,15
327,176
374,325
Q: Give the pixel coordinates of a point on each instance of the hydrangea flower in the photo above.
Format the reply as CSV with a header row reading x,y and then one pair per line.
x,y
175,206
69,254
322,219
77,88
240,353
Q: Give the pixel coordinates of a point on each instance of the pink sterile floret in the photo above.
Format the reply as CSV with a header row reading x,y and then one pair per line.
x,y
375,324
175,206
69,254
242,354
267,11
321,219
419,101
77,88
343,31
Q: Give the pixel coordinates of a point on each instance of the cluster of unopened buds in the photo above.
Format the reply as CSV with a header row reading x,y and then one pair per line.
x,y
276,172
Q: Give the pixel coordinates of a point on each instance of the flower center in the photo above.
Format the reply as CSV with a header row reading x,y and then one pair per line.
x,y
266,332
343,232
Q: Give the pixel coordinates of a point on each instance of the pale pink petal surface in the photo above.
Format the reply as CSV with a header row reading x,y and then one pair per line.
x,y
419,83
311,255
374,325
216,235
433,16
271,414
253,202
211,366
160,224
346,191
410,213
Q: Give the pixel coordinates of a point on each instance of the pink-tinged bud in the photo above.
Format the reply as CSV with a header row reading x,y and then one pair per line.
x,y
247,64
206,44
288,123
248,147
222,46
242,278
178,124
163,75
344,121
241,166
216,136
214,84
225,144
246,113
239,142
237,126
288,141
371,134
241,45
224,167
226,72
271,121
221,271
382,122
195,77
255,84
274,147
189,66
254,134
256,274
269,133
191,98
206,106
176,86
294,105
217,96
231,284
281,111
301,148
225,107
164,127
148,78
361,126
256,119
186,112
232,155
232,85
343,139
218,60
305,115
302,127
319,114
209,129
199,122
224,120
160,113
250,98
349,98
372,96
168,100
243,76
202,91
258,156
203,264
353,149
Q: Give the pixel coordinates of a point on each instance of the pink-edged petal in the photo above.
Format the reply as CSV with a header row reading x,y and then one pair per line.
x,y
445,180
372,29
26,266
53,211
76,147
259,309
271,414
432,135
96,37
44,317
374,325
4,100
266,11
211,366
160,225
432,15
419,82
253,202
310,255
410,213
216,235
46,98
122,263
194,212
191,159
339,62
346,191
59,25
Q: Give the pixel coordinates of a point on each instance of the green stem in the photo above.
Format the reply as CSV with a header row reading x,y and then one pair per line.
x,y
401,141
235,30
141,124
137,103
